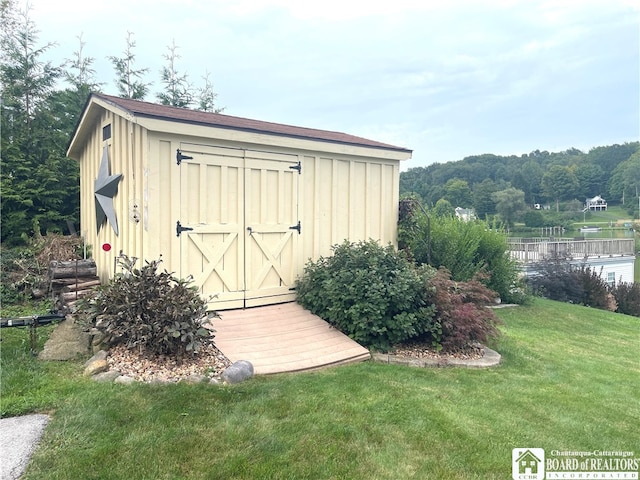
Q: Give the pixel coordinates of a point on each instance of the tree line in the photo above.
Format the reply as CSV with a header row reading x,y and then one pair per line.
x,y
41,105
510,185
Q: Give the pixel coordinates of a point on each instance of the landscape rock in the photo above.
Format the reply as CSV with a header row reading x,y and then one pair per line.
x,y
66,342
98,340
100,355
238,372
108,376
124,380
192,379
96,367
160,381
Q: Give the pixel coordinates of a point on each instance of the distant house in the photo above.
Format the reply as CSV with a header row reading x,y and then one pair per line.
x,y
528,463
465,214
538,206
595,203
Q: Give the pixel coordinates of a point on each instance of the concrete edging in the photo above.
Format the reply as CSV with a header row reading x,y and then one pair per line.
x,y
490,358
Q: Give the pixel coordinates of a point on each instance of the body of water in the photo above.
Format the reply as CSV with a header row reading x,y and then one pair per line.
x,y
604,233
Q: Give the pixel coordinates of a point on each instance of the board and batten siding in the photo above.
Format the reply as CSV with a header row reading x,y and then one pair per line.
x,y
127,155
347,199
339,198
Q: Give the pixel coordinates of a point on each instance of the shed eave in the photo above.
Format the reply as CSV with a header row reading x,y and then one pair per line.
x,y
90,114
96,104
142,117
262,138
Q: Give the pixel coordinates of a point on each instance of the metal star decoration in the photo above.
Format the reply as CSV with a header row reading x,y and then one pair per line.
x,y
105,188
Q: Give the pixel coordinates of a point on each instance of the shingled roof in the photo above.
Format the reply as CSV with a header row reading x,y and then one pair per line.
x,y
184,115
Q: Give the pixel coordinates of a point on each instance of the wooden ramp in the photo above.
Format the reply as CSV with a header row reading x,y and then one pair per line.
x,y
283,338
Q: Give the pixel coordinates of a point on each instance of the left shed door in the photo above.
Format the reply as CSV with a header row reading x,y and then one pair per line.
x,y
212,205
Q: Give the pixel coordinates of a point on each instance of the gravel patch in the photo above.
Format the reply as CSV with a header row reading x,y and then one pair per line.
x,y
424,356
209,361
425,350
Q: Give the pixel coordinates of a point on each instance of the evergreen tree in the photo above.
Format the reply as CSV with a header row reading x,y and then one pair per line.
x,y
591,180
129,79
32,153
78,71
207,96
80,76
178,90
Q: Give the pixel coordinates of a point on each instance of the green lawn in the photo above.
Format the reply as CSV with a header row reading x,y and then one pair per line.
x,y
569,381
612,214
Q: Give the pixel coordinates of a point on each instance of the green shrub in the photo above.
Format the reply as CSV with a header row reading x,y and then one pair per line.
x,y
463,248
371,293
156,313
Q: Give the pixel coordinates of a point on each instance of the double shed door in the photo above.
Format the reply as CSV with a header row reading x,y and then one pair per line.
x,y
239,224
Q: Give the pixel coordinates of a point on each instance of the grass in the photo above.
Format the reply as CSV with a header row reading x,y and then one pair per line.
x,y
569,381
611,214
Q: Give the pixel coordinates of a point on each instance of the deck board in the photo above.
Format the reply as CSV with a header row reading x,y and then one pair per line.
x,y
283,338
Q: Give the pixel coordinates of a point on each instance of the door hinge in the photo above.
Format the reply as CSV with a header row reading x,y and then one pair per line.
x,y
180,228
297,227
297,166
180,156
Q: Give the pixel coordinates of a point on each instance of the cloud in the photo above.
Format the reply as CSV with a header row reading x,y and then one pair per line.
x,y
447,79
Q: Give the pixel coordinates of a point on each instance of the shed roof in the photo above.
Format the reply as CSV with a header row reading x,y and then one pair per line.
x,y
138,108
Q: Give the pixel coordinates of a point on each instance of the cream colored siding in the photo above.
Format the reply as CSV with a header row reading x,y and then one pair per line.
x,y
159,201
239,196
351,199
126,155
211,191
271,211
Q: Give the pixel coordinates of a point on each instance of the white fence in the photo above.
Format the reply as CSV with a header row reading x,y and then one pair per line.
x,y
528,250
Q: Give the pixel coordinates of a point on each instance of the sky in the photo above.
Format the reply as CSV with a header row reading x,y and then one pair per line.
x,y
446,79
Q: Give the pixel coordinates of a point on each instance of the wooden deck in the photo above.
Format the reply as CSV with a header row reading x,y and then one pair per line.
x,y
283,338
536,250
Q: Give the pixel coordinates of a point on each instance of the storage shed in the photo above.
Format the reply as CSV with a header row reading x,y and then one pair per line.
x,y
239,204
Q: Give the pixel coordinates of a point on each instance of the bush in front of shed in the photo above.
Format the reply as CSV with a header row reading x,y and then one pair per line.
x,y
370,292
152,311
